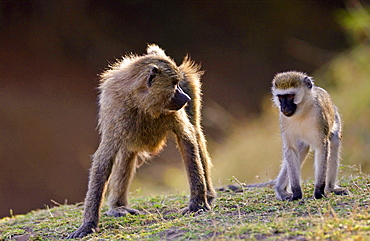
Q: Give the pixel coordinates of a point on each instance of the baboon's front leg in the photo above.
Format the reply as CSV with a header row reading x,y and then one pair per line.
x,y
99,174
195,172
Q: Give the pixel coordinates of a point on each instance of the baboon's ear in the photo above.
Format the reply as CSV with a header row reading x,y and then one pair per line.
x,y
155,49
307,81
153,73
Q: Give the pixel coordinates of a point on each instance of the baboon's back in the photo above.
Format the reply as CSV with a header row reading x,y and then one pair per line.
x,y
191,86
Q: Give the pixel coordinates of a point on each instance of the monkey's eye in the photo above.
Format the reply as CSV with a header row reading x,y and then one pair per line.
x,y
290,97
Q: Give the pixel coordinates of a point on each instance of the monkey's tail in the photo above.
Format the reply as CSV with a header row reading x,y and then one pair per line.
x,y
264,184
240,188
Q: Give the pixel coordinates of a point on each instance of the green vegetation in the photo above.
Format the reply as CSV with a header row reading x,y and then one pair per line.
x,y
254,214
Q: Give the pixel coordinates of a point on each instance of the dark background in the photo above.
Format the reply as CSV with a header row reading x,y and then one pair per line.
x,y
52,52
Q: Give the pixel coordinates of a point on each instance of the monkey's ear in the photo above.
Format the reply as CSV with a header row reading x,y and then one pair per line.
x,y
153,73
307,81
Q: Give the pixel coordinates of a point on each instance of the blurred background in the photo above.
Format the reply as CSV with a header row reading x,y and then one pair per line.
x,y
51,53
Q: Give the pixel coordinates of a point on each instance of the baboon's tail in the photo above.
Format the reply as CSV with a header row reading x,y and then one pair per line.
x,y
240,188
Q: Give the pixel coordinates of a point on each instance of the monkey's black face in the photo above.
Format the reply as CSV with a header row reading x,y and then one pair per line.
x,y
287,106
179,99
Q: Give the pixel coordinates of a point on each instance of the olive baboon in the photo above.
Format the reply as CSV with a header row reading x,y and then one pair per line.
x,y
142,100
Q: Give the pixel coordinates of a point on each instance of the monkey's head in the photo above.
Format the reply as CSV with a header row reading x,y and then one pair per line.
x,y
289,90
149,83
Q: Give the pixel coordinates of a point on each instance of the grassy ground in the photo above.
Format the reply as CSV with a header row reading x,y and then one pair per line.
x,y
254,214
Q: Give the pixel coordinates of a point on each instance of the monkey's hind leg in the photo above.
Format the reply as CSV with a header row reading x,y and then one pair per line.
x,y
282,182
321,166
290,172
333,165
119,183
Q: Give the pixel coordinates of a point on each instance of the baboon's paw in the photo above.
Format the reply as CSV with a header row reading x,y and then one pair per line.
x,y
196,208
83,231
121,211
187,211
211,196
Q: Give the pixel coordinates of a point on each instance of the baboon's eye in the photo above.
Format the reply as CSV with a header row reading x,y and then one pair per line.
x,y
150,80
153,73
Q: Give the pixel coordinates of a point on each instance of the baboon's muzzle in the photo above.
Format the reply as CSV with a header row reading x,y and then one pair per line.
x,y
179,99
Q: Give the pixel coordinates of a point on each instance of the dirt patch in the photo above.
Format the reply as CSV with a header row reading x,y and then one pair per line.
x,y
23,237
172,233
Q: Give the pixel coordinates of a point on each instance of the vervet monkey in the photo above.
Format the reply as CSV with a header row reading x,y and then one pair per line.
x,y
143,99
308,119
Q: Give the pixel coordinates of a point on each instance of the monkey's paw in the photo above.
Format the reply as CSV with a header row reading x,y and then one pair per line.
x,y
318,194
121,211
284,195
83,230
340,191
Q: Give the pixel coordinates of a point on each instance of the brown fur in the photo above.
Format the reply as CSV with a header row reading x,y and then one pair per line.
x,y
140,105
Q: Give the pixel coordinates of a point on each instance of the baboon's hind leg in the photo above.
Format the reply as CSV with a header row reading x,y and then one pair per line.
x,y
194,169
207,164
119,183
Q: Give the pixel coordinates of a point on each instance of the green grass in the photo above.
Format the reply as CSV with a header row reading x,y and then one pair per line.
x,y
254,214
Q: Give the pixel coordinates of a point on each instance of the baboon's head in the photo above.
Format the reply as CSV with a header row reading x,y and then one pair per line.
x,y
149,82
160,92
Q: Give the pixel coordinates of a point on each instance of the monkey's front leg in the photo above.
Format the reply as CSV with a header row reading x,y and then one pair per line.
x,y
321,161
195,172
99,174
294,172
